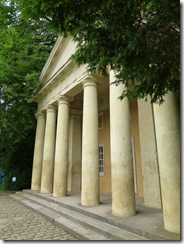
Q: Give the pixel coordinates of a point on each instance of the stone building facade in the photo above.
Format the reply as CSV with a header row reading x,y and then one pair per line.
x,y
88,141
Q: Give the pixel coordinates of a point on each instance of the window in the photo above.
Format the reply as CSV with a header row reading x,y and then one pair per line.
x,y
101,160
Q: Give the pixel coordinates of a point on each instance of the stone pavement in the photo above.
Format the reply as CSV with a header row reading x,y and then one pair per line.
x,y
17,222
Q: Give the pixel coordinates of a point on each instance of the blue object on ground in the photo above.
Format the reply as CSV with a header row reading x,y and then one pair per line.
x,y
1,176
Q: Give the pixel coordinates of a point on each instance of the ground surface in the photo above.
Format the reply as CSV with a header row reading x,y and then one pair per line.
x,y
17,222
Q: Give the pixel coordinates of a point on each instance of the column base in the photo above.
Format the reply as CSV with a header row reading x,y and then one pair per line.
x,y
59,195
90,204
124,214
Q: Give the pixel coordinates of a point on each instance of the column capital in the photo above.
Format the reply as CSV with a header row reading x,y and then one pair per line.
x,y
64,99
89,82
50,108
40,115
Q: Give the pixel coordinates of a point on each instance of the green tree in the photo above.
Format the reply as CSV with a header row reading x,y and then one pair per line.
x,y
24,47
139,39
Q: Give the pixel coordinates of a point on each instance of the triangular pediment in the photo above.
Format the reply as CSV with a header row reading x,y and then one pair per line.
x,y
61,75
58,59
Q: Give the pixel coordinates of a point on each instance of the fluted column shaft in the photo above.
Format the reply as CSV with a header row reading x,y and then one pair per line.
x,y
61,152
167,126
90,160
38,152
123,197
48,152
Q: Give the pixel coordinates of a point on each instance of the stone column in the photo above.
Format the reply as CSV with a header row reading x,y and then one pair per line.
x,y
122,175
38,152
75,151
149,159
61,153
167,126
48,152
90,160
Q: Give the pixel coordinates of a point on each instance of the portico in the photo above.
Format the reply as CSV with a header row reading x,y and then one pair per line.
x,y
88,141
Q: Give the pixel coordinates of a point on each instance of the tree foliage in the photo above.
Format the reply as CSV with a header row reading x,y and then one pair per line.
x,y
139,39
24,47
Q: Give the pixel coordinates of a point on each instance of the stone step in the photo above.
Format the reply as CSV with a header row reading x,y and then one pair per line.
x,y
91,228
124,226
77,230
151,231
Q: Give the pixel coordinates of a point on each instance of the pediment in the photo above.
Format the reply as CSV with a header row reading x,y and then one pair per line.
x,y
62,76
58,60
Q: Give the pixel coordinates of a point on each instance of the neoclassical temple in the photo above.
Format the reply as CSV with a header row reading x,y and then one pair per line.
x,y
88,141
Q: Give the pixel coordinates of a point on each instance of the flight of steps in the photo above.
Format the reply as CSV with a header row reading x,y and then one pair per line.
x,y
83,224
